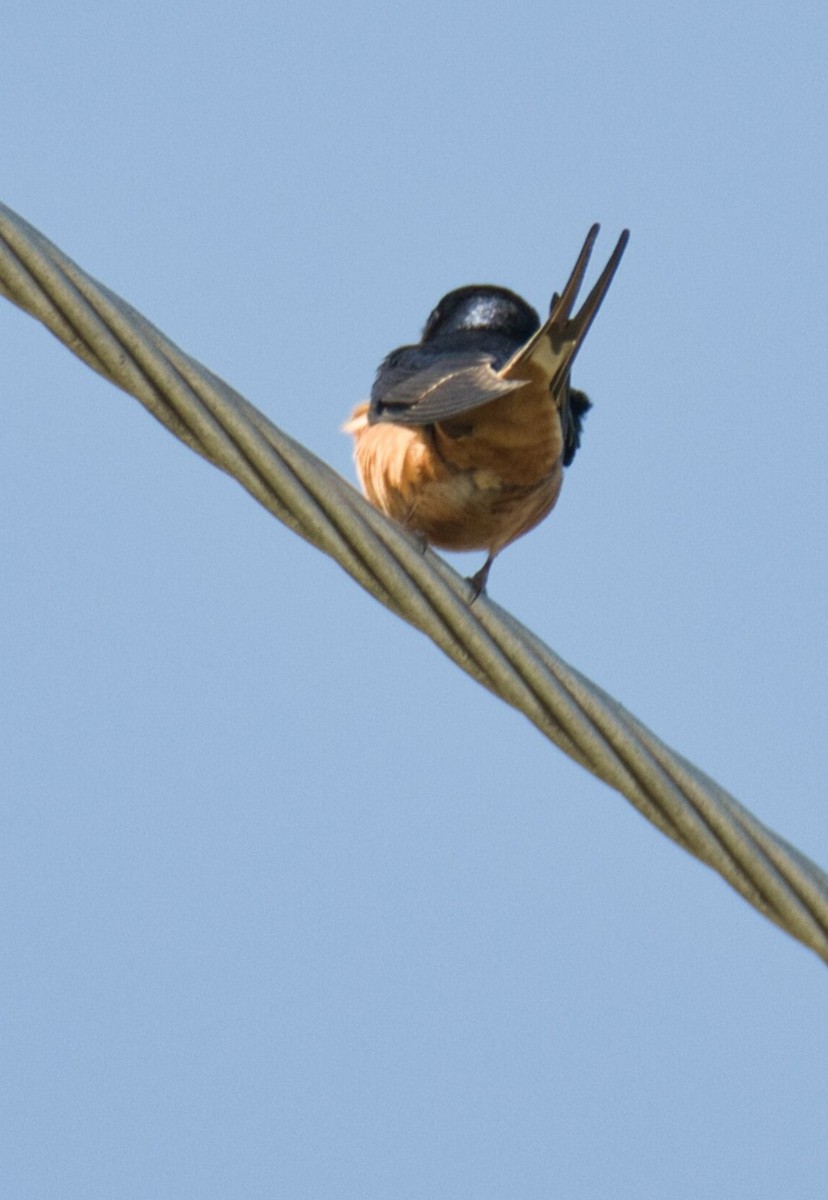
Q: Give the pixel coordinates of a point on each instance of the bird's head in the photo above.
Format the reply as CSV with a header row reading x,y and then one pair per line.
x,y
480,307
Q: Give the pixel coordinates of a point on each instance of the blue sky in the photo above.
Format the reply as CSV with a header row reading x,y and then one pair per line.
x,y
289,906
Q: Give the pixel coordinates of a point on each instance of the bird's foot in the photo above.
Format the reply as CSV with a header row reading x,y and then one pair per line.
x,y
478,580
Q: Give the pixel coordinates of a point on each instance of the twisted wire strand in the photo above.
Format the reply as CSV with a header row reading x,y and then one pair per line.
x,y
487,642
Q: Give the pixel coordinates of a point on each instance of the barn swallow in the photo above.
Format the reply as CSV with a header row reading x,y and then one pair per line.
x,y
466,434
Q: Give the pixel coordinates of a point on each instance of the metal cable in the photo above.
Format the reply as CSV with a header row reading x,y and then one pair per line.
x,y
487,642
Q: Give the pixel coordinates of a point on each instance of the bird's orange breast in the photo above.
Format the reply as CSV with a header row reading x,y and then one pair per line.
x,y
474,482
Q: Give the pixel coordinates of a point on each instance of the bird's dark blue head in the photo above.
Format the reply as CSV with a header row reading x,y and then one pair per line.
x,y
477,319
467,312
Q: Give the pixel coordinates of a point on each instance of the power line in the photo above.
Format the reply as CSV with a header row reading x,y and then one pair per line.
x,y
487,642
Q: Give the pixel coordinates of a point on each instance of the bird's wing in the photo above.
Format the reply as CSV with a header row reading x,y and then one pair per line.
x,y
554,346
451,385
410,392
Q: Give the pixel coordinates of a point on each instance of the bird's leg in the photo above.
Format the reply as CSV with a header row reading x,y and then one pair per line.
x,y
478,580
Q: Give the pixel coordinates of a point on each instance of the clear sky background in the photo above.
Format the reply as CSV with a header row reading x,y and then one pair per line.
x,y
290,907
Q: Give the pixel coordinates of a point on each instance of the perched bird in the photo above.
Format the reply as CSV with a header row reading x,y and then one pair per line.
x,y
466,434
